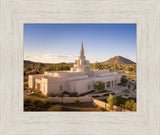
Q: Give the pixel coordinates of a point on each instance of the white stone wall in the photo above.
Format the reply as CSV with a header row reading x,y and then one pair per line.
x,y
44,89
106,106
80,86
53,86
72,82
77,77
31,79
38,82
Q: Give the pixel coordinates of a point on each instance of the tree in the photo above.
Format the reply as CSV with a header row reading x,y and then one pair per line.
x,y
27,100
134,107
111,101
134,88
50,94
25,70
47,102
129,104
55,108
77,101
99,85
123,79
49,68
106,67
98,66
39,67
115,67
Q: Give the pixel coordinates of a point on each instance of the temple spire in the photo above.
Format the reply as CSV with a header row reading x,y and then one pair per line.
x,y
82,50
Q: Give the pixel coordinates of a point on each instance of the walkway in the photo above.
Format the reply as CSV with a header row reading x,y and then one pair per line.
x,y
86,106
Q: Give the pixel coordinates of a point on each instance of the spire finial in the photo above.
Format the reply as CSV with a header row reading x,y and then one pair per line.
x,y
82,49
82,42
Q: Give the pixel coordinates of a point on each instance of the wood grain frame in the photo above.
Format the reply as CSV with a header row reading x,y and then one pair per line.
x,y
14,13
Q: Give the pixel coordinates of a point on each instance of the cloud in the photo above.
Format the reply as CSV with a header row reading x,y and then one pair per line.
x,y
50,58
53,58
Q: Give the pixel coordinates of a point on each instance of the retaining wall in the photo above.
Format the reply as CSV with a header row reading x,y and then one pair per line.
x,y
70,99
105,106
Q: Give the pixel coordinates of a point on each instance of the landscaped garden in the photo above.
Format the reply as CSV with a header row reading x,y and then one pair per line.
x,y
39,105
129,104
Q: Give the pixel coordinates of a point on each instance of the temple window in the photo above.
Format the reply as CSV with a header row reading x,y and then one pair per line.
x,y
108,84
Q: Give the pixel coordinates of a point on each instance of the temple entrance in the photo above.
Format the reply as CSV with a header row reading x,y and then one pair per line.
x,y
108,85
38,86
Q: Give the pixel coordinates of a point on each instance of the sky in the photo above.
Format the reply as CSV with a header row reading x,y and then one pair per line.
x,y
55,43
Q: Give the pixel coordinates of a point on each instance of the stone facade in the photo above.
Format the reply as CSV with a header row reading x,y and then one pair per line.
x,y
80,78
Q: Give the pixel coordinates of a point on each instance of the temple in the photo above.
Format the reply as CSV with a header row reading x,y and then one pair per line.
x,y
80,78
81,65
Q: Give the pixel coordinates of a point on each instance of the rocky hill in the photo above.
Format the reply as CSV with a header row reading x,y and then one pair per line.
x,y
30,62
118,60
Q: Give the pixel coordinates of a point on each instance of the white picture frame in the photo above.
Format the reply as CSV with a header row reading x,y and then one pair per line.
x,y
14,121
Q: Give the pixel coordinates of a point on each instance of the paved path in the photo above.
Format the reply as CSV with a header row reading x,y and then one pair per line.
x,y
86,106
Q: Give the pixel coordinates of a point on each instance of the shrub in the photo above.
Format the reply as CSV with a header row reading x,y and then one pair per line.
x,y
126,91
65,92
50,94
31,89
60,95
121,100
55,108
129,104
98,66
111,100
41,95
77,101
99,85
25,86
132,98
123,80
36,105
74,94
27,100
134,107
47,102
37,93
36,101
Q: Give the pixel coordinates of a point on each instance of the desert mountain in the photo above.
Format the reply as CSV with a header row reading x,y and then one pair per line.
x,y
118,60
31,62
